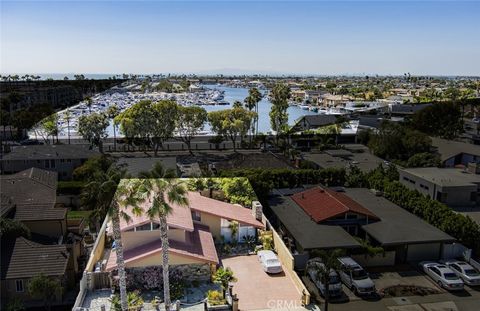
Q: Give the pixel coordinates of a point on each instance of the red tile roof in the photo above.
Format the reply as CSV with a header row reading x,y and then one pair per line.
x,y
221,209
322,204
199,245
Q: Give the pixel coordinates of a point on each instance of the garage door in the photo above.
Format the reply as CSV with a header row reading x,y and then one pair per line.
x,y
418,252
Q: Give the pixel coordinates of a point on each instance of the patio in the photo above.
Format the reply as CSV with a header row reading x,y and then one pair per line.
x,y
257,290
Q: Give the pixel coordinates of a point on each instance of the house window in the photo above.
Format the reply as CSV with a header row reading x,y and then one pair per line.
x,y
197,216
145,227
19,284
47,164
52,163
155,226
352,216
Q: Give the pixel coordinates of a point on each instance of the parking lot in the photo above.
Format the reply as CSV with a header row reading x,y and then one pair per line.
x,y
257,290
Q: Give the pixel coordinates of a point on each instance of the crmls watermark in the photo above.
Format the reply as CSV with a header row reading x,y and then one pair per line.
x,y
283,304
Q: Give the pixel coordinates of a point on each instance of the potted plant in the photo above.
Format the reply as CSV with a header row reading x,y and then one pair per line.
x,y
216,301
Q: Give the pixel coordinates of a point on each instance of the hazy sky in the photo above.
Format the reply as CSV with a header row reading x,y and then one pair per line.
x,y
430,37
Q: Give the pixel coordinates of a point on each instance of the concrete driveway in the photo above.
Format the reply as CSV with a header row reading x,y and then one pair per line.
x,y
257,290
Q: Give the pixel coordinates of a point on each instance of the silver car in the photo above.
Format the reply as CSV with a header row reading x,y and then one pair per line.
x,y
334,286
355,278
442,275
465,271
269,261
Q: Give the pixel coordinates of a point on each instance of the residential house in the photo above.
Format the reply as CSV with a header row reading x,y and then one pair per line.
x,y
405,110
135,166
454,187
344,158
192,230
323,218
58,158
29,197
471,131
453,153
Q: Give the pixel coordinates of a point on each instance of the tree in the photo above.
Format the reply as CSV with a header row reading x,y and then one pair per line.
x,y
67,115
251,102
231,123
112,112
238,190
153,122
278,114
88,102
440,119
424,159
98,193
160,194
329,263
190,122
224,276
93,127
48,127
124,197
45,288
12,229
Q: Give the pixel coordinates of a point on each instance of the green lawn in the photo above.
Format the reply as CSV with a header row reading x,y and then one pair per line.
x,y
78,214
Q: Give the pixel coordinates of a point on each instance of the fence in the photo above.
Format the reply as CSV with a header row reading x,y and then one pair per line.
x,y
288,261
88,282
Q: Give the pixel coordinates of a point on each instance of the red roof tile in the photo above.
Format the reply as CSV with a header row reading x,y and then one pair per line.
x,y
199,244
322,204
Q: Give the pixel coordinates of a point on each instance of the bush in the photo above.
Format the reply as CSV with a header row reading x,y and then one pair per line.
x,y
135,301
73,187
215,298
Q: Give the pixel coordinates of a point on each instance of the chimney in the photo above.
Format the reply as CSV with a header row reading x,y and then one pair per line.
x,y
257,210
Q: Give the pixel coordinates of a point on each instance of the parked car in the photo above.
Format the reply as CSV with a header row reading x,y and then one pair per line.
x,y
442,275
334,286
269,261
465,271
355,277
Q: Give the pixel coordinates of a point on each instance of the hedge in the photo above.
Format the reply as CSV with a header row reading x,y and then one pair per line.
x,y
73,187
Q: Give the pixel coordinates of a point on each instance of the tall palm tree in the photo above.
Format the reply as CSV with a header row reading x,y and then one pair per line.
x,y
252,100
160,194
68,117
112,112
107,194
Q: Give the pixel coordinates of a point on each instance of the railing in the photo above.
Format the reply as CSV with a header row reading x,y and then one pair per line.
x,y
88,282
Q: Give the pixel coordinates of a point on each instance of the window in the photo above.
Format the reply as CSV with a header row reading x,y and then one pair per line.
x,y
19,284
352,216
47,164
52,163
196,216
155,226
145,227
424,187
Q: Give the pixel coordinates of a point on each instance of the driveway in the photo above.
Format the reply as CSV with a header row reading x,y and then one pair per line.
x,y
256,290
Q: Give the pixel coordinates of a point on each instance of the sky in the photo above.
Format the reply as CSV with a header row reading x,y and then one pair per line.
x,y
274,37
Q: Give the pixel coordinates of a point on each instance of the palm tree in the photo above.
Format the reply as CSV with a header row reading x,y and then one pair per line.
x,y
107,194
112,112
329,259
160,193
89,103
68,117
252,100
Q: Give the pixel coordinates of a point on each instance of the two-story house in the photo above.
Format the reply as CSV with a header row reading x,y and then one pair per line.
x,y
193,231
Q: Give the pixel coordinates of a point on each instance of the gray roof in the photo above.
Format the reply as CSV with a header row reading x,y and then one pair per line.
x,y
257,160
304,230
43,152
27,259
134,166
408,108
397,226
450,148
317,120
365,161
33,192
445,177
338,152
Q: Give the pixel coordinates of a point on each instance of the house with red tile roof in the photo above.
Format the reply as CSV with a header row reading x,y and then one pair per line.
x,y
193,231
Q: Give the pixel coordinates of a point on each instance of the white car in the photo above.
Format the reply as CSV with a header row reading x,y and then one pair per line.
x,y
465,271
442,275
334,286
269,261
